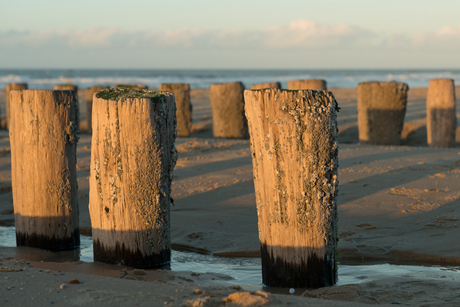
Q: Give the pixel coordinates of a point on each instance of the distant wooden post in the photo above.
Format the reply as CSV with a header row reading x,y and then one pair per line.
x,y
9,88
293,136
310,84
260,86
89,92
227,104
381,111
132,160
184,108
441,113
43,126
132,86
66,87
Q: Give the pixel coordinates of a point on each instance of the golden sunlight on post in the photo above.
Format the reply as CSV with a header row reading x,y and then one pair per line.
x,y
309,84
227,104
8,89
132,160
261,86
184,108
43,135
293,136
89,92
381,111
441,118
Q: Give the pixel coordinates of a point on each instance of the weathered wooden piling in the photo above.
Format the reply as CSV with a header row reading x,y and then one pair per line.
x,y
132,86
89,92
227,104
66,87
293,136
309,84
441,114
260,86
381,111
132,160
184,107
8,89
43,127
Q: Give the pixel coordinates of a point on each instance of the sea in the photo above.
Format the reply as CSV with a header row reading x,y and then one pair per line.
x,y
203,78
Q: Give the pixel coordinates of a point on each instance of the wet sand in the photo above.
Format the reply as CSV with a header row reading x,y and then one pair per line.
x,y
396,204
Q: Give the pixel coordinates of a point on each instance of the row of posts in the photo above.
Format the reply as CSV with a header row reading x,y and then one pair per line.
x,y
293,137
381,108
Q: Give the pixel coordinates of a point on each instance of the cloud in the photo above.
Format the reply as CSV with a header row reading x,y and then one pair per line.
x,y
301,42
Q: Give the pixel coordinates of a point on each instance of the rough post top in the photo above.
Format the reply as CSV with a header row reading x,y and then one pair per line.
x,y
441,80
119,94
309,92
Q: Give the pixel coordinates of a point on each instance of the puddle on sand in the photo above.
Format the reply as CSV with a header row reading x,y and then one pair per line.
x,y
244,271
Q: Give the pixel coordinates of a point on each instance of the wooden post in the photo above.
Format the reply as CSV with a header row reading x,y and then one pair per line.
x,y
441,113
66,87
260,86
184,108
293,136
311,84
43,127
381,111
89,92
9,88
132,86
227,104
132,160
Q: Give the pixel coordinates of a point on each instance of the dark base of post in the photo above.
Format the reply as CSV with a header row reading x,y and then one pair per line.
x,y
314,273
121,255
48,243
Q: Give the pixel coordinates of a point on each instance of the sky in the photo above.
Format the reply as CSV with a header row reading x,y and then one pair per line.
x,y
252,34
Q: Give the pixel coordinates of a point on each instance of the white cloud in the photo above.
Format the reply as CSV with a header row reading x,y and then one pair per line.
x,y
301,41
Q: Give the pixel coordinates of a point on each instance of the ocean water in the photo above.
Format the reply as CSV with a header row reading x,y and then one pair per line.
x,y
201,79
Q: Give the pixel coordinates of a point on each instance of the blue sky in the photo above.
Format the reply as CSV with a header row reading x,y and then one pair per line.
x,y
230,34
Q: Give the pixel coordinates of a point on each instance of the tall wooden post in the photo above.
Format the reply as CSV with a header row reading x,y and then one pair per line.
x,y
66,87
132,86
309,84
261,86
9,88
293,136
441,115
43,127
227,104
132,160
184,107
89,92
381,111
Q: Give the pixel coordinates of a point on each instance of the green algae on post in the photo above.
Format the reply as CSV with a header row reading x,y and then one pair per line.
x,y
120,94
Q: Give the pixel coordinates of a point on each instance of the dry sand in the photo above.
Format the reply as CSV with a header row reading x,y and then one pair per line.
x,y
397,204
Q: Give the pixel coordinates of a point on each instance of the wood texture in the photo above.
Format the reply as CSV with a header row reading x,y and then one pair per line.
x,y
441,114
227,104
309,84
184,107
260,86
381,111
293,136
66,87
43,168
89,92
132,160
8,89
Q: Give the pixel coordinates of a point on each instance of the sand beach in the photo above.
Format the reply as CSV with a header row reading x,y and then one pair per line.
x,y
396,205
